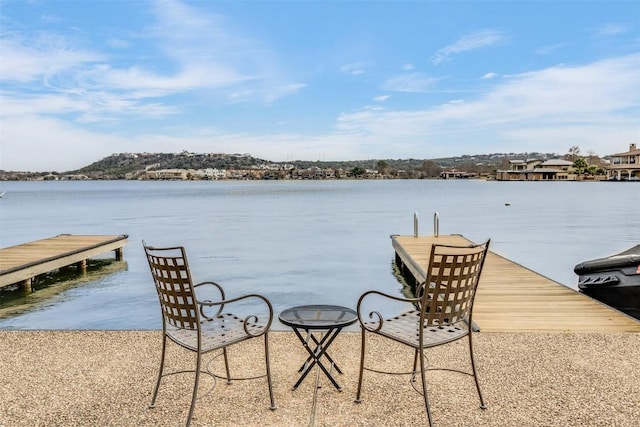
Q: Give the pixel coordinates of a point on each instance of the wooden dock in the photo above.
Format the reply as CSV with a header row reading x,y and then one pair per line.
x,y
22,263
512,298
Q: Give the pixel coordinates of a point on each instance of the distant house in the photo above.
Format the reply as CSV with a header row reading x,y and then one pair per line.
x,y
211,173
517,165
75,177
554,169
625,166
537,170
456,174
164,174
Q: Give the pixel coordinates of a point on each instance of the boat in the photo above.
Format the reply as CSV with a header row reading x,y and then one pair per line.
x,y
614,280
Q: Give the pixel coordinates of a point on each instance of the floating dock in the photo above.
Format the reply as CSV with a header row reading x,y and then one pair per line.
x,y
513,298
22,263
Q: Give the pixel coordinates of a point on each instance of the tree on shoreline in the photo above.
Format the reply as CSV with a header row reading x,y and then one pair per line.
x,y
383,167
574,153
580,165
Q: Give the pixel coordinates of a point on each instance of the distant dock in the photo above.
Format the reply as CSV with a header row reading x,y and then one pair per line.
x,y
513,298
20,264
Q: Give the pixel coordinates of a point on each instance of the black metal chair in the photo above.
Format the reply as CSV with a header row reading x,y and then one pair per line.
x,y
201,325
443,309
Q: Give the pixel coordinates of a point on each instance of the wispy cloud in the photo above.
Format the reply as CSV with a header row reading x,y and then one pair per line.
x,y
409,82
204,51
277,92
36,58
118,43
354,68
549,49
467,43
610,29
212,53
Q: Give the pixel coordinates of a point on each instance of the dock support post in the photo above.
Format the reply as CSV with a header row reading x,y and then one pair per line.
x,y
82,266
27,285
415,224
118,254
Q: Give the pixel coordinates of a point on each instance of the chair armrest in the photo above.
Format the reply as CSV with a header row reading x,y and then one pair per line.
x,y
219,290
376,324
252,318
216,285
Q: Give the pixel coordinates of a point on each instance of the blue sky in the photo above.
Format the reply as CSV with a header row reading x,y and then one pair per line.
x,y
315,80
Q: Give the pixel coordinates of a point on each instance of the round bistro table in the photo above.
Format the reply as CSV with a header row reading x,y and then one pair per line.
x,y
329,319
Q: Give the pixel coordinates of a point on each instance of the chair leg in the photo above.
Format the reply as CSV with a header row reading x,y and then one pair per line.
x,y
269,383
160,372
415,365
362,351
194,396
226,364
423,374
475,374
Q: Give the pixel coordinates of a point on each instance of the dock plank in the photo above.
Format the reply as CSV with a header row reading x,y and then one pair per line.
x,y
513,298
25,261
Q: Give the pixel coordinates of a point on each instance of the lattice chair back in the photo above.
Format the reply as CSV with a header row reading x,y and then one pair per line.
x,y
452,279
172,278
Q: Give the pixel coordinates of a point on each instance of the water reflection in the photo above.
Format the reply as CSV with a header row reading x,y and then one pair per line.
x,y
50,288
406,280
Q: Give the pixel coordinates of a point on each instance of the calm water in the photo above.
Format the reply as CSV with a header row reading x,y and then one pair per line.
x,y
300,242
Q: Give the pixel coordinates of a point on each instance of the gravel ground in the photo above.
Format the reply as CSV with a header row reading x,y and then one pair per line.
x,y
105,378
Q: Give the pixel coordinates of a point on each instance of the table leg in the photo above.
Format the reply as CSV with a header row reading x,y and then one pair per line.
x,y
316,353
318,345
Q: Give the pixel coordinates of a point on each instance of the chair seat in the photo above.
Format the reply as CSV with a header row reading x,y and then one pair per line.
x,y
218,332
404,328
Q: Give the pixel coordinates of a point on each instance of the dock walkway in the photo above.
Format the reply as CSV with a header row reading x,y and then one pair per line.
x,y
513,298
22,263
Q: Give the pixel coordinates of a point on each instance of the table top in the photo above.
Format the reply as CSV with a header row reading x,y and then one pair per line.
x,y
318,316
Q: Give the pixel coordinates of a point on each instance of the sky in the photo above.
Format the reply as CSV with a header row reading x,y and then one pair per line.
x,y
315,80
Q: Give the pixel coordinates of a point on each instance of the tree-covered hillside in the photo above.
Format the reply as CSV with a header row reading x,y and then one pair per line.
x,y
117,166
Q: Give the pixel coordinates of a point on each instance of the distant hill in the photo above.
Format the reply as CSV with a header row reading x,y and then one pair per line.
x,y
134,165
118,166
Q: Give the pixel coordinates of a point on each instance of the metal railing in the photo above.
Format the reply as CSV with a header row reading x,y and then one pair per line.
x,y
436,224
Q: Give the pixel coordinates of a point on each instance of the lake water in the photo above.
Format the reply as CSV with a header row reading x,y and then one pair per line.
x,y
299,242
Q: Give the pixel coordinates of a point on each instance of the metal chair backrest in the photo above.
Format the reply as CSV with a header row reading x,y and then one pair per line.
x,y
170,271
452,279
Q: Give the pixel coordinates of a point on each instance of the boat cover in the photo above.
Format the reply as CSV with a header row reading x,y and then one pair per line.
x,y
628,258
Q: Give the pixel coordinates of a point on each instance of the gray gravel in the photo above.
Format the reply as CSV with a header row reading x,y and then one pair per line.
x,y
105,378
